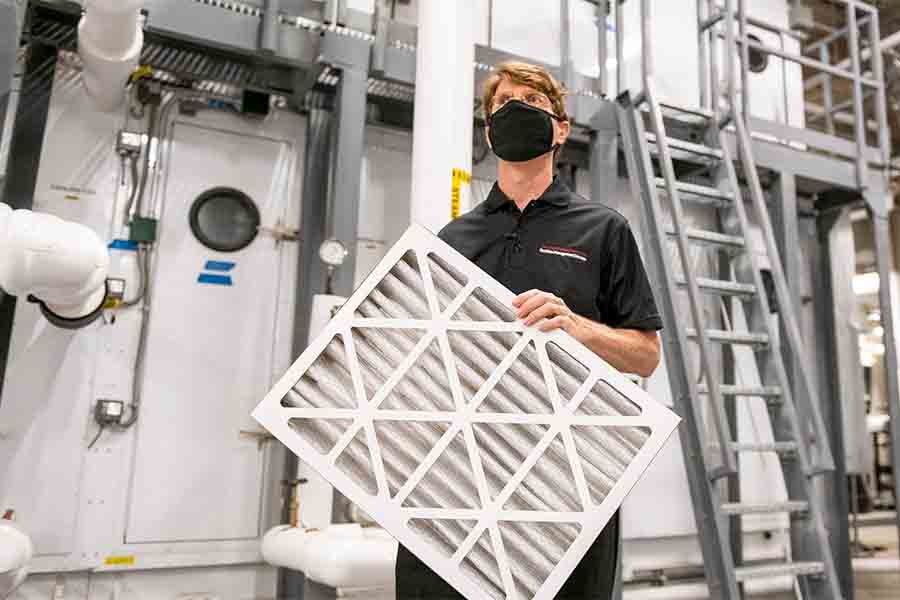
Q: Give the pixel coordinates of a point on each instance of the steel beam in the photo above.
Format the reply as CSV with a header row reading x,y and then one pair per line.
x,y
884,258
836,500
346,176
604,154
310,281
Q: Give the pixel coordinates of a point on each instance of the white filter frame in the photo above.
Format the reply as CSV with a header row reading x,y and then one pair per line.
x,y
389,512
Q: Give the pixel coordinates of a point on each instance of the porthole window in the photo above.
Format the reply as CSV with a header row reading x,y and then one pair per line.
x,y
224,219
758,60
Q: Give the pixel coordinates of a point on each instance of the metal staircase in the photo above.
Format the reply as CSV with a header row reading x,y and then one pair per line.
x,y
696,344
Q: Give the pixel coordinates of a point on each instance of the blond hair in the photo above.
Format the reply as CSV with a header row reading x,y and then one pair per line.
x,y
534,76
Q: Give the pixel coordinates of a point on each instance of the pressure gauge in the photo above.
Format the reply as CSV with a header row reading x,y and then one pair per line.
x,y
332,253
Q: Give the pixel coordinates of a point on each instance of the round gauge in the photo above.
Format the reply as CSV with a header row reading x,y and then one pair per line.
x,y
332,253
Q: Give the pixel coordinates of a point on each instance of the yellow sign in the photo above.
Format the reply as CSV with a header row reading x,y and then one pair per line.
x,y
460,177
119,560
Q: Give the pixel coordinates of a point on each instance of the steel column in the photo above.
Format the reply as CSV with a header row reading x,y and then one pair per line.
x,y
565,44
620,47
604,153
346,177
884,257
603,11
859,116
835,487
310,281
24,158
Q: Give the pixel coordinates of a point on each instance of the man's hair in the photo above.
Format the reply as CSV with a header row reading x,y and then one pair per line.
x,y
534,76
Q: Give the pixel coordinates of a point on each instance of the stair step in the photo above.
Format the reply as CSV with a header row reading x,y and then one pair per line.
x,y
731,337
776,569
717,286
687,110
745,390
779,447
703,236
791,506
697,192
698,149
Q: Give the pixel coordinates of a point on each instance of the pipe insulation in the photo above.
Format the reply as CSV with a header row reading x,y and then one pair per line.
x,y
487,448
16,551
62,264
110,38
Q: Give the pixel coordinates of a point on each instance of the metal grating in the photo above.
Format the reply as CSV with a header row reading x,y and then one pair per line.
x,y
495,452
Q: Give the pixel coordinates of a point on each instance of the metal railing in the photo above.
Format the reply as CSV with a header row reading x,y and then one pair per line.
x,y
862,27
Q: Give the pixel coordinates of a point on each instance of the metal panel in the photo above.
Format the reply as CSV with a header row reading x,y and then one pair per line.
x,y
210,348
491,457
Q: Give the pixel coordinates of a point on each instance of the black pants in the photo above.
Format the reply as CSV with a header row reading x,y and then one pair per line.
x,y
592,579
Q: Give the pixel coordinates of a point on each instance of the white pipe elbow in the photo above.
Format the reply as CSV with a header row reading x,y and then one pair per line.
x,y
340,556
16,551
62,264
110,39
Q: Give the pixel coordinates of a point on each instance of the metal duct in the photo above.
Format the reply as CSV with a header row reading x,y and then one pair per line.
x,y
495,452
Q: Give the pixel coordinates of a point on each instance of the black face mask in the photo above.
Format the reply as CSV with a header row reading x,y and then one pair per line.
x,y
520,132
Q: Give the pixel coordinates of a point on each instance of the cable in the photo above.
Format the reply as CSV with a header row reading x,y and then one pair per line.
x,y
134,187
142,278
96,437
141,349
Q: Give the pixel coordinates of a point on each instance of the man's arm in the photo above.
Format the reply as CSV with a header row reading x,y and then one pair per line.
x,y
628,350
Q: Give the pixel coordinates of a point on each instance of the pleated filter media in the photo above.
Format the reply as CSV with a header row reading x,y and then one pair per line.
x,y
493,451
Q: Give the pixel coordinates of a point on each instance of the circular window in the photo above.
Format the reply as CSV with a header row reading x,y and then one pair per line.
x,y
224,219
758,60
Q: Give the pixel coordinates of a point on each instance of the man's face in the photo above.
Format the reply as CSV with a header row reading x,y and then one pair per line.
x,y
508,90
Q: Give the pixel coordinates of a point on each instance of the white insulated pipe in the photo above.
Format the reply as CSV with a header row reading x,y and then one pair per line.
x,y
16,551
63,264
110,39
339,556
442,122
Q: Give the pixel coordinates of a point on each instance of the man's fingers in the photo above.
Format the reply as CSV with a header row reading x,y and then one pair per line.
x,y
553,324
524,296
535,302
547,311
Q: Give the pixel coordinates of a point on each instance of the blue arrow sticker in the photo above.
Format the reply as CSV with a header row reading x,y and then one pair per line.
x,y
218,265
123,245
214,279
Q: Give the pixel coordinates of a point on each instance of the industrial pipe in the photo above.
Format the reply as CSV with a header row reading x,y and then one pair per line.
x,y
340,556
443,115
110,39
60,265
16,551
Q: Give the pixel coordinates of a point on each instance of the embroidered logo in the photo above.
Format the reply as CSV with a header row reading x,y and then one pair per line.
x,y
565,252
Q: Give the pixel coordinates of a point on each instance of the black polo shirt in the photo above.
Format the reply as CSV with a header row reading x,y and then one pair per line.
x,y
585,253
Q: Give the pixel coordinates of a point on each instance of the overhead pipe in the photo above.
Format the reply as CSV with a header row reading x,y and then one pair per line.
x,y
443,113
110,38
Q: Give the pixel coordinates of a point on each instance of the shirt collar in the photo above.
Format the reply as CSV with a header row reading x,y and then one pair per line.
x,y
557,195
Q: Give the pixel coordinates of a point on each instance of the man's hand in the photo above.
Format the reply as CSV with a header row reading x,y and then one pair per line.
x,y
549,312
628,350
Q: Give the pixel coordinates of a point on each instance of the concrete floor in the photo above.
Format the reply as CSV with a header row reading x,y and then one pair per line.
x,y
872,585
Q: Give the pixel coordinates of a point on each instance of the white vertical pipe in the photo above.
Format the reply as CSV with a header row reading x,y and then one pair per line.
x,y
442,124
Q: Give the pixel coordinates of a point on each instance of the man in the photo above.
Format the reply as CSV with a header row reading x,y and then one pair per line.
x,y
574,263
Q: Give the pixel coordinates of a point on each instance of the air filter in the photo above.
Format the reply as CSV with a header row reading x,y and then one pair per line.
x,y
494,452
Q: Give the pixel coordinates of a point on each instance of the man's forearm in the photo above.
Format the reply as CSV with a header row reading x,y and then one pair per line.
x,y
628,350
